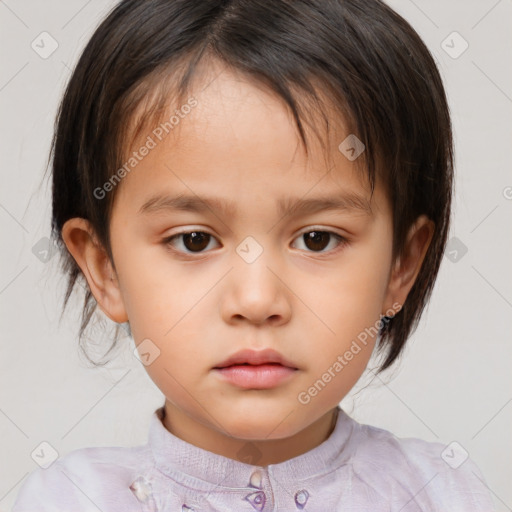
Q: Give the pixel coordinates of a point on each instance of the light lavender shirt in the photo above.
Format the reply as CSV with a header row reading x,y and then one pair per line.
x,y
357,468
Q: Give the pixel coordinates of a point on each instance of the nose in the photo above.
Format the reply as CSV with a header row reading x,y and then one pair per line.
x,y
256,293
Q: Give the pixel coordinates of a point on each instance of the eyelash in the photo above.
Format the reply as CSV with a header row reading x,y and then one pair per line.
x,y
342,241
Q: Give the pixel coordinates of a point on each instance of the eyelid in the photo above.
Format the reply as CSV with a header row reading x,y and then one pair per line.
x,y
168,239
322,229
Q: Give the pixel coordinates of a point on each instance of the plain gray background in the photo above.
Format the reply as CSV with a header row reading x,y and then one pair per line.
x,y
454,383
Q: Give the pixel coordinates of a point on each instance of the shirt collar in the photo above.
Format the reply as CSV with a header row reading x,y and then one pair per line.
x,y
186,462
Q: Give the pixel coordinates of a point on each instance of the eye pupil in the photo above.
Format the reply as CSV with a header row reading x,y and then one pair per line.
x,y
316,240
196,240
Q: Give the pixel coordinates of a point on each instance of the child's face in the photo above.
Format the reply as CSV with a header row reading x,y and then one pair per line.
x,y
307,299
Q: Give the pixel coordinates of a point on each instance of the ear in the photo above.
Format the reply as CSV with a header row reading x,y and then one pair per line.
x,y
91,257
406,269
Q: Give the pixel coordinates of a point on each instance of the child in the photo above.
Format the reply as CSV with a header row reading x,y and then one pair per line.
x,y
305,148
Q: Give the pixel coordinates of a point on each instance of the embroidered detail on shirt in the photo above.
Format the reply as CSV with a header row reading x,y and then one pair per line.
x,y
301,497
257,500
141,488
185,508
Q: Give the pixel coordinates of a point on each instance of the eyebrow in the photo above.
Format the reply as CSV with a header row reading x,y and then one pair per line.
x,y
346,201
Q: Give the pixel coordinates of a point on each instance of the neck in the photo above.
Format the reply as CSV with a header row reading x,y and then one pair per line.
x,y
258,452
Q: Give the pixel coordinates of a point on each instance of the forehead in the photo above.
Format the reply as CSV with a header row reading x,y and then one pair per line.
x,y
239,135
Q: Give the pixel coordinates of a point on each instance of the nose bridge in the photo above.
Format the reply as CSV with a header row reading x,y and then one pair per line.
x,y
254,290
252,259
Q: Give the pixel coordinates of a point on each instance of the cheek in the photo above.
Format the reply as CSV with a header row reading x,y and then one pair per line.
x,y
148,288
167,305
350,296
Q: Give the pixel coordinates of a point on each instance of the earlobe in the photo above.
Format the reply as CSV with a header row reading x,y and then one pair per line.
x,y
91,257
407,267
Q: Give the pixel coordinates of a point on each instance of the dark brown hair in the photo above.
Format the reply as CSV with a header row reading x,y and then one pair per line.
x,y
360,54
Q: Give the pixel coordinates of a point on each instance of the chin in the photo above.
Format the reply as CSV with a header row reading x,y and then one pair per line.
x,y
262,427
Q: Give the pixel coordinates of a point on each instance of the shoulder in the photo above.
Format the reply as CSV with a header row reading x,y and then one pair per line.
x,y
433,475
85,480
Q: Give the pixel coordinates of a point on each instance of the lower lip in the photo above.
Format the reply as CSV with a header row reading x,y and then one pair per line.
x,y
261,376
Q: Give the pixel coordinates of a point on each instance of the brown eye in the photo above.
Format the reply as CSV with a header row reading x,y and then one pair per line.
x,y
316,240
321,241
196,241
190,242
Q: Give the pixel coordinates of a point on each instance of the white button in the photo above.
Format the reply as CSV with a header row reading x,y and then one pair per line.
x,y
141,488
301,498
256,479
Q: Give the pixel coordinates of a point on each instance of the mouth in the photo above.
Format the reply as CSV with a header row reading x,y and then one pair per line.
x,y
256,376
248,357
252,369
249,364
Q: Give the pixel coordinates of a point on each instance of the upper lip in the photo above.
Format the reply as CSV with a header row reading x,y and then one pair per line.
x,y
256,357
